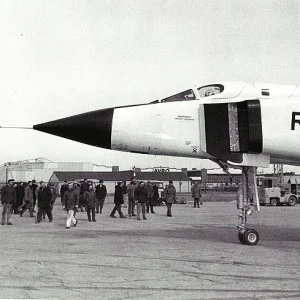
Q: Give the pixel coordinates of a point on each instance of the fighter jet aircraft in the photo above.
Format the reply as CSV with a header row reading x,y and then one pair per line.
x,y
239,124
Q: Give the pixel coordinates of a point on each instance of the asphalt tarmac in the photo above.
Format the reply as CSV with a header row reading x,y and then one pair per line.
x,y
193,255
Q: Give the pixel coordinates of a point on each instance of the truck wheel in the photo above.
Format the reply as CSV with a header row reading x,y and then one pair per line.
x,y
273,202
292,200
251,237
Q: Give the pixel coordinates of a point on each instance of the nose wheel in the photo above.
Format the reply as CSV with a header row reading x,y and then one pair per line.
x,y
247,191
248,237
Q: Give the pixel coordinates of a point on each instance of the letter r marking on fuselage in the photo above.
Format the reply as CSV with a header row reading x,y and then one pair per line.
x,y
294,120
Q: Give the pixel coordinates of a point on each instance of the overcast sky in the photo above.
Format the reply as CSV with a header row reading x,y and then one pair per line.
x,y
59,58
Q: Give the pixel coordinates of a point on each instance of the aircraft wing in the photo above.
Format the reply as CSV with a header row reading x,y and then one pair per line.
x,y
275,160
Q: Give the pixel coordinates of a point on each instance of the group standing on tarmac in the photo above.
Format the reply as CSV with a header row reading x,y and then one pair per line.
x,y
17,199
139,197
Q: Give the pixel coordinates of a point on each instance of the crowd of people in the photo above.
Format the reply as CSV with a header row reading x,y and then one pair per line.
x,y
17,199
142,196
139,197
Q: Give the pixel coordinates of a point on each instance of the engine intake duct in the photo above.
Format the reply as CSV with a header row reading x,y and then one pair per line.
x,y
233,129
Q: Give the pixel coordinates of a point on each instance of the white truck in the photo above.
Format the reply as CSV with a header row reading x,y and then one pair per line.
x,y
273,193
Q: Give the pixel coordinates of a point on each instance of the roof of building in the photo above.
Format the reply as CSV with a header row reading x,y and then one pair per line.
x,y
162,176
105,176
120,176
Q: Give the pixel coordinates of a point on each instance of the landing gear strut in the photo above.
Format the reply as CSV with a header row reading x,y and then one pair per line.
x,y
247,190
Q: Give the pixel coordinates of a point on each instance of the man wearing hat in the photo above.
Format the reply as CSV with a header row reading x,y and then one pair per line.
x,y
34,187
63,189
28,200
8,198
150,195
44,196
84,187
118,201
101,193
170,195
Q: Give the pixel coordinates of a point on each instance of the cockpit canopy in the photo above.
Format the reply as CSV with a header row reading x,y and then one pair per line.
x,y
186,95
210,90
234,89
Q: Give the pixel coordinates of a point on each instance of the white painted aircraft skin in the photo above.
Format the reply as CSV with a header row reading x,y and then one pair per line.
x,y
174,128
277,118
250,90
170,128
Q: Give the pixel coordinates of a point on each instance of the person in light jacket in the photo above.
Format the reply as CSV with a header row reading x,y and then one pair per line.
x,y
70,204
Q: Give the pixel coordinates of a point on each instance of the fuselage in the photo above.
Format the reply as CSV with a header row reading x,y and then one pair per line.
x,y
176,125
235,122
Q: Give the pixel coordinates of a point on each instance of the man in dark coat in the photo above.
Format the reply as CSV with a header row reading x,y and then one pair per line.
x,y
170,195
125,196
90,203
63,189
20,193
84,187
28,200
131,187
53,196
34,187
141,196
150,196
44,199
196,194
118,200
101,193
156,200
8,198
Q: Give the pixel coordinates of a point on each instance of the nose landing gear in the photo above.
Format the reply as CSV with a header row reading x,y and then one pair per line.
x,y
247,189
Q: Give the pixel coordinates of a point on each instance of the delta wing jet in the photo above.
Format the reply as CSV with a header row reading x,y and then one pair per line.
x,y
236,124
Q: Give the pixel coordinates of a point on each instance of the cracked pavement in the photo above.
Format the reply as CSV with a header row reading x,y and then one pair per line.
x,y
194,255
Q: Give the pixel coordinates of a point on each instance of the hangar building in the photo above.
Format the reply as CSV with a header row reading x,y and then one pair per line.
x,y
180,180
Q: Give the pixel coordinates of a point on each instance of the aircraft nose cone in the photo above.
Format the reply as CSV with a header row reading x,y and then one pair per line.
x,y
92,128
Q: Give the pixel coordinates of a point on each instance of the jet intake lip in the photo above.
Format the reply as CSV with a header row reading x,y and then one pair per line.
x,y
92,128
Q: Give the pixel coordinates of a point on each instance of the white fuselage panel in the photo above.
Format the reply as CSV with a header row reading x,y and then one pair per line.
x,y
165,128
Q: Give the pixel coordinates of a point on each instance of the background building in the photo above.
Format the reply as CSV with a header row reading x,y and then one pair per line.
x,y
180,180
57,172
42,169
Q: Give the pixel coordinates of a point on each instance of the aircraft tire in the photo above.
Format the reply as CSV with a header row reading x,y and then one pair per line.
x,y
241,237
251,237
292,200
